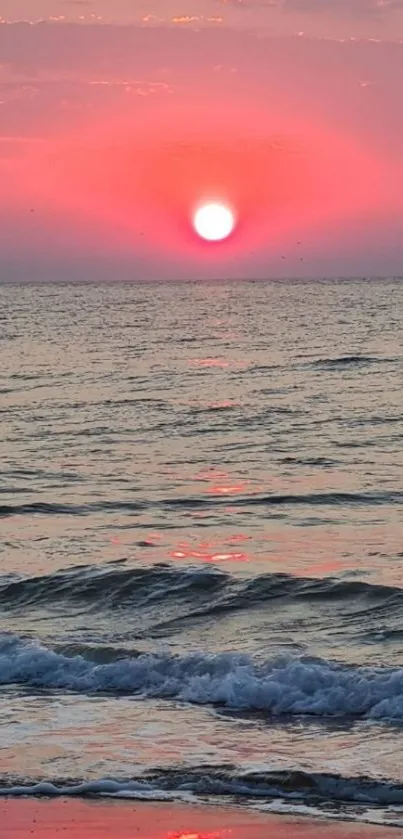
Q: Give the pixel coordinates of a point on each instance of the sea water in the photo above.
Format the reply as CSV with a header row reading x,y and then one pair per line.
x,y
201,512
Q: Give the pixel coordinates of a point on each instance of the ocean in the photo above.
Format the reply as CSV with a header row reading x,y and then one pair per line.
x,y
201,512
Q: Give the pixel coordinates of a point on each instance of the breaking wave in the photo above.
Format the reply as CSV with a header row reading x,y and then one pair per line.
x,y
354,798
282,686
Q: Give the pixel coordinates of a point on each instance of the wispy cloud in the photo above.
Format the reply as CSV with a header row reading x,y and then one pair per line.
x,y
376,8
192,19
315,18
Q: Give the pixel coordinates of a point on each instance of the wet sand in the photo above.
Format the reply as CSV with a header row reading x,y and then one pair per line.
x,y
48,819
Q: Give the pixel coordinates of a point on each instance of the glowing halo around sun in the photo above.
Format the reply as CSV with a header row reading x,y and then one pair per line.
x,y
214,222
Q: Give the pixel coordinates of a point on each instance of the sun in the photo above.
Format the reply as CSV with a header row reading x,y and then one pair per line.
x,y
214,222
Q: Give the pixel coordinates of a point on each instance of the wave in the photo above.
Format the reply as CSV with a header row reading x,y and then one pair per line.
x,y
349,361
283,686
322,791
113,586
316,499
209,590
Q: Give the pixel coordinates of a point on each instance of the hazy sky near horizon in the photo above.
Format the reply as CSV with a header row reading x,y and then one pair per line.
x,y
118,116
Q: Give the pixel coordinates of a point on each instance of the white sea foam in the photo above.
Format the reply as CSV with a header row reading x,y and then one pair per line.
x,y
106,787
359,799
282,686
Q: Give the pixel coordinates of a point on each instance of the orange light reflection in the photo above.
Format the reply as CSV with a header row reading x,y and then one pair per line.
x,y
218,835
230,489
207,556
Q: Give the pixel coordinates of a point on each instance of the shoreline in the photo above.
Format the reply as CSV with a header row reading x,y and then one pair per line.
x,y
30,818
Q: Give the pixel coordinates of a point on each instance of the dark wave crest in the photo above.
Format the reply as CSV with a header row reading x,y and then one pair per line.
x,y
346,361
112,586
313,500
115,585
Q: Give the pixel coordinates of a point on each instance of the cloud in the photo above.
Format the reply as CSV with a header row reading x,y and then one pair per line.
x,y
372,8
192,19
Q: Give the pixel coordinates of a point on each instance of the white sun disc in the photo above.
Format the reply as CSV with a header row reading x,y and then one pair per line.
x,y
214,222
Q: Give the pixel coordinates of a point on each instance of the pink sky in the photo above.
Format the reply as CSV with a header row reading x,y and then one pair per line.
x,y
118,116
